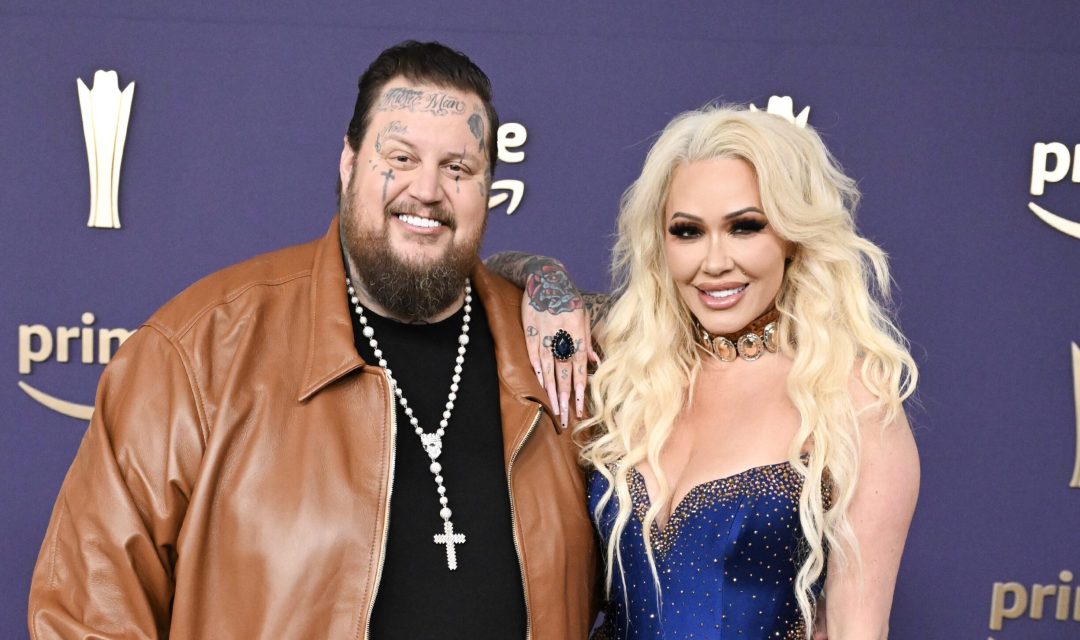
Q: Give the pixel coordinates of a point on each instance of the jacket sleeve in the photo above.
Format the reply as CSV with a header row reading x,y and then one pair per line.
x,y
105,569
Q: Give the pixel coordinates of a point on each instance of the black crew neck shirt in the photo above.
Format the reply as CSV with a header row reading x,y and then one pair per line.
x,y
418,595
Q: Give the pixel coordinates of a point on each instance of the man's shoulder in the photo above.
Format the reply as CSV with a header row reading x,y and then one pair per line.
x,y
242,286
493,289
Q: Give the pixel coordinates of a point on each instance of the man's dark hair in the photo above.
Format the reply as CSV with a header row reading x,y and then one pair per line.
x,y
428,63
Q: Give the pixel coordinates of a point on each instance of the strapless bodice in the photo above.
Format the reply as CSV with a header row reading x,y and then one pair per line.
x,y
726,560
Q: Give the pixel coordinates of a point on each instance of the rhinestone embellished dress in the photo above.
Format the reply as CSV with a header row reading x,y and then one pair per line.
x,y
726,560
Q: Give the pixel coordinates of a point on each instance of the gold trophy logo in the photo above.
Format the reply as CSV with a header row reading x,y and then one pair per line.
x,y
105,113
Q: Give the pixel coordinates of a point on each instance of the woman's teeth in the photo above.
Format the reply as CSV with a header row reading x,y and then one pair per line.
x,y
724,293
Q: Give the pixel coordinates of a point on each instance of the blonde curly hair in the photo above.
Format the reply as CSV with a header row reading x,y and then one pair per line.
x,y
834,321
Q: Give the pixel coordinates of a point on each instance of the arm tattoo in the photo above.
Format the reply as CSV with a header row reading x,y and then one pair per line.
x,y
549,288
510,265
598,305
521,268
544,279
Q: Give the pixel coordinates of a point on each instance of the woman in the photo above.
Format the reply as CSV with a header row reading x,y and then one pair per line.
x,y
747,413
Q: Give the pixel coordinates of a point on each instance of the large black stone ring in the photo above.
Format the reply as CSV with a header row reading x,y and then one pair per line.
x,y
562,346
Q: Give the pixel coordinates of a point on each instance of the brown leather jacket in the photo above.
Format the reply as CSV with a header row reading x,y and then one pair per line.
x,y
234,481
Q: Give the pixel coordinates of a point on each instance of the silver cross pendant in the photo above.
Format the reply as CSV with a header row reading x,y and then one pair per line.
x,y
449,538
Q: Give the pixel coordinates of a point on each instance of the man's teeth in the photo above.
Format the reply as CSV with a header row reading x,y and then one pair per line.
x,y
417,221
724,293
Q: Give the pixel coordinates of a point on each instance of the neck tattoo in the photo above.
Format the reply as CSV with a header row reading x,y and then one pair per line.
x,y
430,441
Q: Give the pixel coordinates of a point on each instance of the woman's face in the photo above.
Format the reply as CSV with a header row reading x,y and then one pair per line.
x,y
721,251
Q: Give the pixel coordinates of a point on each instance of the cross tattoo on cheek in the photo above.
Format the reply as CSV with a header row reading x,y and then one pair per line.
x,y
389,175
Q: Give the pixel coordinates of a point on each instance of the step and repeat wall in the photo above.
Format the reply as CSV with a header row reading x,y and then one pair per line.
x,y
215,130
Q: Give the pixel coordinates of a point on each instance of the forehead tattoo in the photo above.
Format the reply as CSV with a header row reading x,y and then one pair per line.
x,y
438,103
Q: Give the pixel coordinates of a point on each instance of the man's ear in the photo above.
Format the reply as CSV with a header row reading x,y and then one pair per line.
x,y
345,166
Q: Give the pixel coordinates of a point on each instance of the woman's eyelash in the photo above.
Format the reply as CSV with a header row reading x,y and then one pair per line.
x,y
749,226
683,230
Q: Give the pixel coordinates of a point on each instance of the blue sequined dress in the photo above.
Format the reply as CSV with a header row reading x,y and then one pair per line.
x,y
726,559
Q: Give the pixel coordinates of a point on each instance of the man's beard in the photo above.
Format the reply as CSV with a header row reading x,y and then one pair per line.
x,y
410,291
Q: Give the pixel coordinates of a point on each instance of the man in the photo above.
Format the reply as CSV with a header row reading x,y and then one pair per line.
x,y
275,456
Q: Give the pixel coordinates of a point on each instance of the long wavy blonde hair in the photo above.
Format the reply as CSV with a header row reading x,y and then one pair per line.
x,y
833,307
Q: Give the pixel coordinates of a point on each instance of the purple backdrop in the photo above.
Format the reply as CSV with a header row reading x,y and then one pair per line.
x,y
232,150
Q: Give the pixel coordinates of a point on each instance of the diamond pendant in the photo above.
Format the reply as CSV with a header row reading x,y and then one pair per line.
x,y
432,444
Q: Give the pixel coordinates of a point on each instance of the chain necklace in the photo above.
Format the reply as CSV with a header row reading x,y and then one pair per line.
x,y
431,442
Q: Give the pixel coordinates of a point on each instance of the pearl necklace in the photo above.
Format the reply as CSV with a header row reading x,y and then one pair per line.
x,y
431,442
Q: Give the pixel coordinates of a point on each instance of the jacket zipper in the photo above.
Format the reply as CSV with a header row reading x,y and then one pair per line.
x,y
513,518
386,515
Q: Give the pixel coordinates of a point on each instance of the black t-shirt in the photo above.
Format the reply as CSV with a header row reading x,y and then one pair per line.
x,y
418,596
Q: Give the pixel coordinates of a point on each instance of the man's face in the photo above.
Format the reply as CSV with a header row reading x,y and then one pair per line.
x,y
415,200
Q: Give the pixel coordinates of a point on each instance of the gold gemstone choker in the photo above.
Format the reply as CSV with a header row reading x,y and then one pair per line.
x,y
755,339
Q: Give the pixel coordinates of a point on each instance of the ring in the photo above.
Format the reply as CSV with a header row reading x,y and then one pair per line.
x,y
562,346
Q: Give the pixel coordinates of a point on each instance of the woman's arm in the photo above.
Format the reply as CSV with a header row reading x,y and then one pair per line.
x,y
551,303
888,484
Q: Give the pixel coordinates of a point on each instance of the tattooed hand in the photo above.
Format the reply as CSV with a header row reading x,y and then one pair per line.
x,y
549,289
552,302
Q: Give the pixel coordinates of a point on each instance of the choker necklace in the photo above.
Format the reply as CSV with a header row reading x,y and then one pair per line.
x,y
431,442
749,344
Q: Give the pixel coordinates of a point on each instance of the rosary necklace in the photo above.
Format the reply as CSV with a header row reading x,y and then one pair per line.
x,y
431,442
